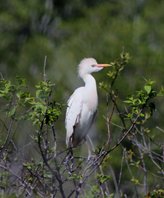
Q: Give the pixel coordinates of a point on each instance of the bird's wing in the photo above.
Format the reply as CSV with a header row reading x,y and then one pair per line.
x,y
73,112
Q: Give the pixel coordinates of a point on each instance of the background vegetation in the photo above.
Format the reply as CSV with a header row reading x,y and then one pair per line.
x,y
64,32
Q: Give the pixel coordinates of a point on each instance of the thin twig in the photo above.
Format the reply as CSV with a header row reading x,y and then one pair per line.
x,y
44,69
108,122
56,172
22,182
7,139
121,168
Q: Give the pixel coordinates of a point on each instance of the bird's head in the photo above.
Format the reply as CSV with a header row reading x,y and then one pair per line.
x,y
90,65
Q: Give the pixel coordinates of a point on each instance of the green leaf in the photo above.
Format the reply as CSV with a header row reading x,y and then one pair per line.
x,y
147,88
161,91
135,181
11,113
103,178
103,86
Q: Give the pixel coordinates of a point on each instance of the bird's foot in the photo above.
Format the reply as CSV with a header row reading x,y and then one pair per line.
x,y
91,157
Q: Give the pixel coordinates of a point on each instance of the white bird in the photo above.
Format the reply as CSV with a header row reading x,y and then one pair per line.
x,y
82,104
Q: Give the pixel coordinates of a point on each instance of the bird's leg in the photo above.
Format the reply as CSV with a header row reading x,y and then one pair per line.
x,y
92,156
90,146
69,160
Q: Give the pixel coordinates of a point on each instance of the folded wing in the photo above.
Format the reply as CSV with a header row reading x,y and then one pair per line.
x,y
73,114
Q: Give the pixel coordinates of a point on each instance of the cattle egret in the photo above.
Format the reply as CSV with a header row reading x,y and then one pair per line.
x,y
82,104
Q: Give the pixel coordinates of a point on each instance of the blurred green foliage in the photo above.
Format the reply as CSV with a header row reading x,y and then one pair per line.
x,y
41,106
133,153
65,31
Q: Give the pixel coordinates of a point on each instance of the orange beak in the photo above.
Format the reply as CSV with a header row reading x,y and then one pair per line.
x,y
103,65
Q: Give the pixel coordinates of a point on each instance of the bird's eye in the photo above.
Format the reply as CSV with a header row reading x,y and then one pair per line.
x,y
93,65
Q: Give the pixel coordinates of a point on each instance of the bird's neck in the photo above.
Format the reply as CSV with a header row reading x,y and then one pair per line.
x,y
90,82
